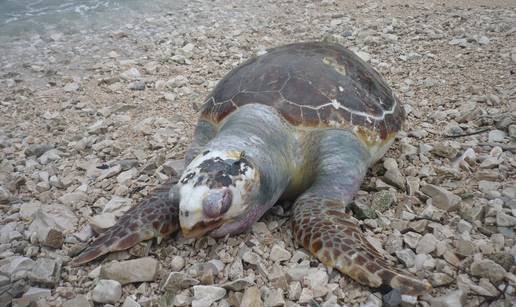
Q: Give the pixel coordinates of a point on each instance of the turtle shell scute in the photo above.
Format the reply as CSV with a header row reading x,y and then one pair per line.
x,y
314,84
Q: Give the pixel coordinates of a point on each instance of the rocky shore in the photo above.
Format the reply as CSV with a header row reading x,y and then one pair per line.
x,y
91,121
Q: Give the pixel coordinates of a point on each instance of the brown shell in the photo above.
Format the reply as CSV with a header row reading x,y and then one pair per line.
x,y
313,84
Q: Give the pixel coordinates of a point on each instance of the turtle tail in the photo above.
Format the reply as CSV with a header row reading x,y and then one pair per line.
x,y
323,227
156,216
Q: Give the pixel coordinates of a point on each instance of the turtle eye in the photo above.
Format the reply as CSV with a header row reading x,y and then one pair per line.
x,y
217,203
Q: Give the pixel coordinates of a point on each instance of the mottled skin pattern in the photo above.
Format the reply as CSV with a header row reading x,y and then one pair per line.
x,y
156,216
310,118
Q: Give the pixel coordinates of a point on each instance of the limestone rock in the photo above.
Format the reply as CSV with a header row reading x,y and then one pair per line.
x,y
452,299
177,263
141,269
207,295
426,244
488,269
441,198
278,253
130,302
78,301
107,291
46,271
274,298
252,297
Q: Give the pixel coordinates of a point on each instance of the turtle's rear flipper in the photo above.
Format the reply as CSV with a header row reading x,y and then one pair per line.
x,y
156,216
323,227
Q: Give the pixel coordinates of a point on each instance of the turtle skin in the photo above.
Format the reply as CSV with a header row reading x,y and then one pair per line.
x,y
321,90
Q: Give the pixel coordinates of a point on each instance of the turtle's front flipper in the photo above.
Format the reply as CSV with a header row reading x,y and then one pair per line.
x,y
321,225
156,216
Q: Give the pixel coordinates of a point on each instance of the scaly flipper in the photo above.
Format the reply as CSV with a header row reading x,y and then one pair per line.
x,y
321,224
155,216
323,227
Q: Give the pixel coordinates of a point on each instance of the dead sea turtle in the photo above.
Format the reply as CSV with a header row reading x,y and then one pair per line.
x,y
303,121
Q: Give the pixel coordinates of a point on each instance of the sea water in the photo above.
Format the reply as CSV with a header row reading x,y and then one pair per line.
x,y
27,17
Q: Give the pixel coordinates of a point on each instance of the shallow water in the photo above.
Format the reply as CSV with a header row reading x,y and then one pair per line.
x,y
20,18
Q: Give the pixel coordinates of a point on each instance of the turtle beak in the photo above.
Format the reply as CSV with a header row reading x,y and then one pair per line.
x,y
201,228
200,221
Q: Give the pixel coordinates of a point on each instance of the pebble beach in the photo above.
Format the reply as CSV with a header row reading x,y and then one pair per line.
x,y
95,114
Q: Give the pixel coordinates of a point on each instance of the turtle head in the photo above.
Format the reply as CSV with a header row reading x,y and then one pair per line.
x,y
217,190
